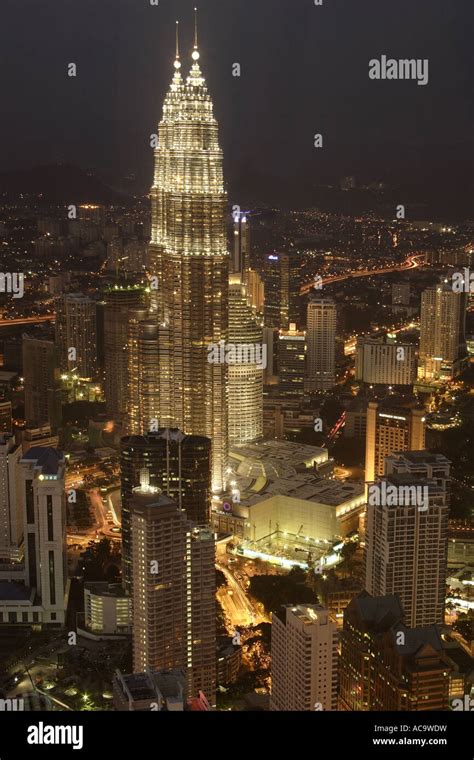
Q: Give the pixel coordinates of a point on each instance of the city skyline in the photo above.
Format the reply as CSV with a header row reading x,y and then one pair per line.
x,y
372,132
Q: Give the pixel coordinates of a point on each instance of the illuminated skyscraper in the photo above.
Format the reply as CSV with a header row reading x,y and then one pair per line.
x,y
391,428
76,334
174,586
321,344
245,378
304,659
442,333
276,278
119,303
136,317
240,262
406,543
189,258
291,361
177,464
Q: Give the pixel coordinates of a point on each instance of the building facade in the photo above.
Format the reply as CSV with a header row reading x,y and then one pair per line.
x,y
321,344
189,260
442,333
173,597
406,542
246,378
304,659
391,428
178,465
76,334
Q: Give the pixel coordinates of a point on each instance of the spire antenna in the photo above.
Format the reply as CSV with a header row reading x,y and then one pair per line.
x,y
177,40
195,28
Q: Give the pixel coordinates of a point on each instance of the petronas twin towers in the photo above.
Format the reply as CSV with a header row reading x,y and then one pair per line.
x,y
188,263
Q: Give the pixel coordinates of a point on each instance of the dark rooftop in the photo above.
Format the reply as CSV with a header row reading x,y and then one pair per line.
x,y
45,457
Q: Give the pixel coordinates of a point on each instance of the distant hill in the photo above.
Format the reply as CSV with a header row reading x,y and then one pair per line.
x,y
59,183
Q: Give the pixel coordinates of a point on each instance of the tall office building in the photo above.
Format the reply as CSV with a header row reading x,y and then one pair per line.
x,y
391,427
42,491
241,252
179,465
119,303
41,382
255,291
385,665
135,318
304,659
76,334
291,361
386,362
189,258
149,375
173,597
245,378
406,541
11,513
276,280
321,344
442,333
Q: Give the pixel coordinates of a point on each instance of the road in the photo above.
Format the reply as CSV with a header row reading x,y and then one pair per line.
x,y
100,512
238,606
412,262
27,320
351,343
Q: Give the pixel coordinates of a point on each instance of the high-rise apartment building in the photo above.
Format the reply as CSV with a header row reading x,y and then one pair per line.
x,y
382,361
321,344
173,597
406,535
391,427
385,665
304,659
190,261
442,333
120,301
291,361
179,465
245,377
41,382
76,334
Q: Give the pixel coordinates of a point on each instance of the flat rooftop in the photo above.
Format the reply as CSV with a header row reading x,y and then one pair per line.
x,y
274,459
305,486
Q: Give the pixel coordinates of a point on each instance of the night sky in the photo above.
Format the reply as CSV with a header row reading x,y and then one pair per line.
x,y
304,70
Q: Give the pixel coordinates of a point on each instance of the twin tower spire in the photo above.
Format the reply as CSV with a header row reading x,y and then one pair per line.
x,y
195,53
